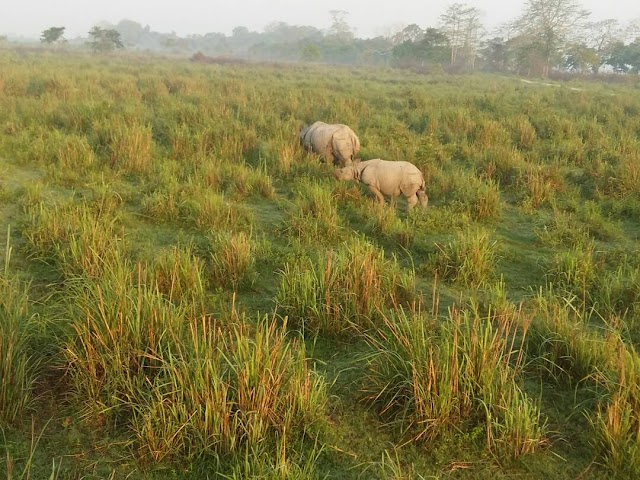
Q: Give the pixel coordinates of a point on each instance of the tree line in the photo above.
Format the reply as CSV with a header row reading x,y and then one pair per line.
x,y
548,36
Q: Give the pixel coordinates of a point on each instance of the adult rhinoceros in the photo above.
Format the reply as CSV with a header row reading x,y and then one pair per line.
x,y
337,143
387,178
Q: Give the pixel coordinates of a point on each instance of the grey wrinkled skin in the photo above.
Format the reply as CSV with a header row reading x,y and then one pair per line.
x,y
336,143
388,178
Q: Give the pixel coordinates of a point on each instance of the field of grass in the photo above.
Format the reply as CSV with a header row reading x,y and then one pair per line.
x,y
186,293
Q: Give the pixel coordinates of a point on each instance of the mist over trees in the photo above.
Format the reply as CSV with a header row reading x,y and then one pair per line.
x,y
548,36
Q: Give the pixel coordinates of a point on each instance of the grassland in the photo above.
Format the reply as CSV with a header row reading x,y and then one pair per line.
x,y
186,293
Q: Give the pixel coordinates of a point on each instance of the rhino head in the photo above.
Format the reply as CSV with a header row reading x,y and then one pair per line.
x,y
349,172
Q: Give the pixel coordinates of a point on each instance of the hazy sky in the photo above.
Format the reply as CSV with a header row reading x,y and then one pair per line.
x,y
367,17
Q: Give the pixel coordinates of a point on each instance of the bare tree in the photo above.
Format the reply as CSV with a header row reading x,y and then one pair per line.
x,y
461,24
549,25
339,26
601,36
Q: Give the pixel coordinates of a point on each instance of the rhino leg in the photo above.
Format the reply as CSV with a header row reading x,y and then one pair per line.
x,y
377,193
327,155
422,196
412,201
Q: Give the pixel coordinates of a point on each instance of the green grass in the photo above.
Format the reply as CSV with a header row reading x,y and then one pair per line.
x,y
186,293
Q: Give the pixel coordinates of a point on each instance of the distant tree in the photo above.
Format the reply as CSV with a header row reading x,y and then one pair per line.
x,y
432,49
242,39
461,24
548,26
633,55
104,40
618,58
52,35
410,33
581,58
601,36
132,34
496,54
625,58
340,29
311,53
529,56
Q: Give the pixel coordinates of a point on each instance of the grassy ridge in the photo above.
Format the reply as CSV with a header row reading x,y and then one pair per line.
x,y
188,290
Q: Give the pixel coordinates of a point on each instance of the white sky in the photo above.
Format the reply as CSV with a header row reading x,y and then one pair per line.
x,y
368,18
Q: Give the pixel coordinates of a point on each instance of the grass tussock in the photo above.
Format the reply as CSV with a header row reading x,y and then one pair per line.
x,y
18,368
615,426
344,290
77,239
434,379
130,147
184,384
233,260
313,215
224,389
469,259
180,275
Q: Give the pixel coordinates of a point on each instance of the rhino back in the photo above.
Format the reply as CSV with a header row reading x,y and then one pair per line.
x,y
391,177
306,134
320,136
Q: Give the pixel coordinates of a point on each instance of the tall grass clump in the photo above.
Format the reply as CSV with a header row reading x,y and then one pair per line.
x,y
18,368
122,330
240,180
502,164
220,390
212,211
615,425
470,258
383,220
344,290
77,239
314,215
435,379
180,275
523,134
478,197
130,147
232,260
563,231
576,271
76,154
617,293
282,462
564,345
540,185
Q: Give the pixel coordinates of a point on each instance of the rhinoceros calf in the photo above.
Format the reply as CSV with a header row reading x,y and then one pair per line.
x,y
336,143
387,178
